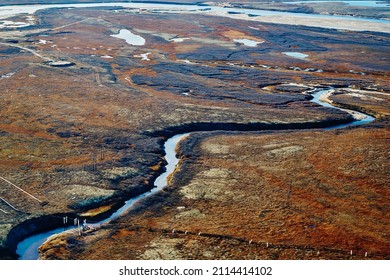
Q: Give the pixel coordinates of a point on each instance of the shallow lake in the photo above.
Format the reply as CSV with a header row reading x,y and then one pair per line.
x,y
247,42
130,38
296,55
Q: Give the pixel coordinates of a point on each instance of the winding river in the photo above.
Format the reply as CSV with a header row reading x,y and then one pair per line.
x,y
28,248
359,117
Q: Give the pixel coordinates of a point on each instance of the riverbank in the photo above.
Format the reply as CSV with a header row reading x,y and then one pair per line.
x,y
295,196
48,223
190,150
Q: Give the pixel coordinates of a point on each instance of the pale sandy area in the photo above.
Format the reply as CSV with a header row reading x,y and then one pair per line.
x,y
326,98
311,20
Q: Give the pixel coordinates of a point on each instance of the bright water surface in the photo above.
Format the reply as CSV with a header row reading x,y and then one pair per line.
x,y
247,42
130,38
372,4
296,55
365,118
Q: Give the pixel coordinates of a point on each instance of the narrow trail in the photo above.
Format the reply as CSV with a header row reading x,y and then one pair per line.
x,y
71,24
9,204
20,189
28,50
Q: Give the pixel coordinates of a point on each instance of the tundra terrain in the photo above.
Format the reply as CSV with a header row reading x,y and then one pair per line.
x,y
84,115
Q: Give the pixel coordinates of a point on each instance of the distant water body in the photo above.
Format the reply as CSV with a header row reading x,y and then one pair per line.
x,y
296,55
372,4
278,17
130,38
247,42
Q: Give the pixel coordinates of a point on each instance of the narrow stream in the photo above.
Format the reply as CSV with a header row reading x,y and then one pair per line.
x,y
28,248
161,181
360,118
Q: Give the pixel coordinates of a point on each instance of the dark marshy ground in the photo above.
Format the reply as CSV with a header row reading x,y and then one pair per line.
x,y
88,136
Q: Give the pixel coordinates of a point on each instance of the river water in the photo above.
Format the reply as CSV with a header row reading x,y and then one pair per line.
x,y
360,118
